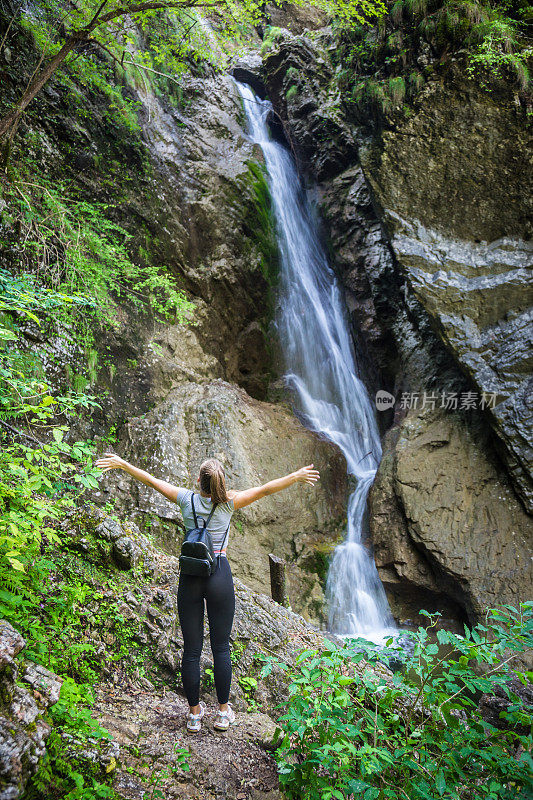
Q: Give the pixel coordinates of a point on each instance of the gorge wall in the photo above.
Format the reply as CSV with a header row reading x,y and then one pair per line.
x,y
427,217
189,188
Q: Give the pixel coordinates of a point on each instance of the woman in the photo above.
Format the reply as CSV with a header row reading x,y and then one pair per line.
x,y
216,589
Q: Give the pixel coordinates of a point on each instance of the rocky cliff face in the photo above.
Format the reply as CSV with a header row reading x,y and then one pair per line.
x,y
447,527
190,189
27,690
427,219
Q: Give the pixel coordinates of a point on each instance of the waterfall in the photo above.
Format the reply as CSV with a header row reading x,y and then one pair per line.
x,y
318,351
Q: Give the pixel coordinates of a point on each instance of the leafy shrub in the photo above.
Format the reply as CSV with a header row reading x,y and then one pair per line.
x,y
75,247
60,776
272,36
372,60
37,484
351,732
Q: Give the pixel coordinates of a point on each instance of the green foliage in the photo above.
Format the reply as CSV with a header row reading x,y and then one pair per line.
x,y
209,679
151,48
497,52
292,80
380,66
37,484
77,248
248,686
271,37
347,731
259,224
292,92
60,774
396,89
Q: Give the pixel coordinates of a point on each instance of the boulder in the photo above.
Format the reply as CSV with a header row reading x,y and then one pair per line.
x,y
295,17
449,533
11,643
247,69
125,552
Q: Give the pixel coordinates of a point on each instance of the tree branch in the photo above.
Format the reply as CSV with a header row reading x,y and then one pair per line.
x,y
74,37
21,433
97,14
121,62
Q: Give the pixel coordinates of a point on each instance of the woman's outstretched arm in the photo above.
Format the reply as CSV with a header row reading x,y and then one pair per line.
x,y
303,475
111,461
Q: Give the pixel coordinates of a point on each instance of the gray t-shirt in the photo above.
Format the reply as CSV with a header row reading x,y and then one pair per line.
x,y
203,505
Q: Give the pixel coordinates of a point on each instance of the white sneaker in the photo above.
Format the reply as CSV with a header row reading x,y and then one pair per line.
x,y
224,719
194,724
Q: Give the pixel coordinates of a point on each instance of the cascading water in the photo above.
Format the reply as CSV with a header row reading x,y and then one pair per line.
x,y
318,351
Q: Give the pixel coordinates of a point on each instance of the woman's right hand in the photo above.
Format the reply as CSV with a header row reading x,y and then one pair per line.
x,y
307,474
110,461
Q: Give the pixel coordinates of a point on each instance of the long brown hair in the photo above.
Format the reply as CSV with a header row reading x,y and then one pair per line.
x,y
213,480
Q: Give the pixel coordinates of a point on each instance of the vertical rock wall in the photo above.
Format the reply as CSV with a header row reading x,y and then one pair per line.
x,y
427,221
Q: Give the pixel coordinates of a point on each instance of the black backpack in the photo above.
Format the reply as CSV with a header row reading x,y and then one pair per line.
x,y
197,555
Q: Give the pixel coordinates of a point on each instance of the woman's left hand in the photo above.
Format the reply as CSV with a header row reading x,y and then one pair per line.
x,y
307,474
110,461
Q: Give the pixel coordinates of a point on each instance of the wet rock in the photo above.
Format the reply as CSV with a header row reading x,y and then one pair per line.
x,y
492,705
262,729
247,69
42,681
314,127
110,529
130,598
11,643
480,297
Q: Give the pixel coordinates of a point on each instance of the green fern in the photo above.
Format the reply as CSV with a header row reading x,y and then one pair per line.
x,y
396,90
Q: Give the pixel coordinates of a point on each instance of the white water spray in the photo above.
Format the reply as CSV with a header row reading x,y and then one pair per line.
x,y
318,351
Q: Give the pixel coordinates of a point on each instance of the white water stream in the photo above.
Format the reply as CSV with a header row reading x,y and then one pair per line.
x,y
318,351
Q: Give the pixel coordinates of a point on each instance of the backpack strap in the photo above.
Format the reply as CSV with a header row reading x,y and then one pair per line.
x,y
208,520
224,541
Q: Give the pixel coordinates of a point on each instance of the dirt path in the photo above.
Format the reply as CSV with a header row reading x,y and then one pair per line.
x,y
148,726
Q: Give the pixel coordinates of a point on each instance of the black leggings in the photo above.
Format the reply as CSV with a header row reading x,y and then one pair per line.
x,y
218,591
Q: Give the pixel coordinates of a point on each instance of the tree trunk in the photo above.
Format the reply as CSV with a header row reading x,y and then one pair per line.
x,y
11,119
35,86
278,580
